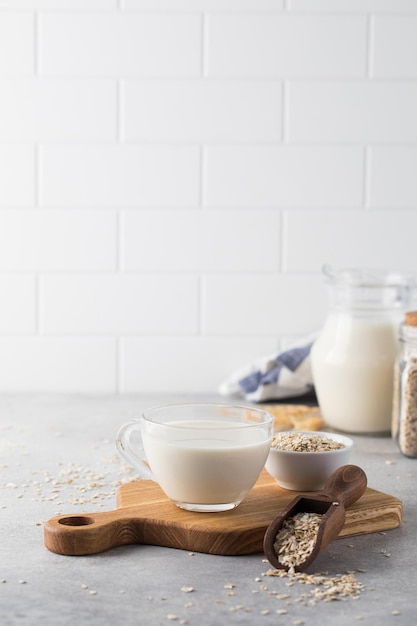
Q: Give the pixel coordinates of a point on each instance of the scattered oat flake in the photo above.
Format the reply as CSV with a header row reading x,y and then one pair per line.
x,y
171,616
187,589
265,612
229,586
84,586
389,462
281,611
93,593
298,622
22,582
395,612
325,588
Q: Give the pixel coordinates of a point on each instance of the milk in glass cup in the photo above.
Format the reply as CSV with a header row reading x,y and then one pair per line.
x,y
205,457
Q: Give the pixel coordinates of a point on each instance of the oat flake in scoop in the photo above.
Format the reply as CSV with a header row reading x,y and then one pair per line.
x,y
304,442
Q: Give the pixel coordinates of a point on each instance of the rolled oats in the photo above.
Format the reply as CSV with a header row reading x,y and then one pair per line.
x,y
304,442
404,416
296,539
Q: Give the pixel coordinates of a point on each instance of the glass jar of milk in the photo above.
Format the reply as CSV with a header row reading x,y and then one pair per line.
x,y
353,358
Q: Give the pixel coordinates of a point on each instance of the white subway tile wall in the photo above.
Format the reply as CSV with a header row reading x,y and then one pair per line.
x,y
204,111
116,175
175,173
283,176
267,45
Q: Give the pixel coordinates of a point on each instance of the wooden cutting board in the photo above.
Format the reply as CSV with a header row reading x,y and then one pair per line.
x,y
144,515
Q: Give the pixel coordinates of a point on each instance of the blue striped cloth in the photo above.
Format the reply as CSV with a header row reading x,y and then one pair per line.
x,y
284,375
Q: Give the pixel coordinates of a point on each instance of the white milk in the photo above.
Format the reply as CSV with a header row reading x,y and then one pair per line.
x,y
353,362
212,464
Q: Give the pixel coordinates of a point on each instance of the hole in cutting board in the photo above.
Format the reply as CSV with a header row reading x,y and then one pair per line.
x,y
76,521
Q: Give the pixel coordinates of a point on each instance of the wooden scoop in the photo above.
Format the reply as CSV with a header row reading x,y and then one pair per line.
x,y
343,488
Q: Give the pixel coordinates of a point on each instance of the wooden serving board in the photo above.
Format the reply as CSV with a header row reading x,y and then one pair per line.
x,y
144,515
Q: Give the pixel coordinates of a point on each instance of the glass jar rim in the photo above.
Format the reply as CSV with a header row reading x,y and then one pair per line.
x,y
368,278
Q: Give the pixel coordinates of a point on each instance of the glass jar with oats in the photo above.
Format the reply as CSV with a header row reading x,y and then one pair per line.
x,y
404,418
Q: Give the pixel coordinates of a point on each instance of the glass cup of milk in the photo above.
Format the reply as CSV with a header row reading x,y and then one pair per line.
x,y
205,457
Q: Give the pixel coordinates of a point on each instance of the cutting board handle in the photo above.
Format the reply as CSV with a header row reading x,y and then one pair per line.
x,y
77,535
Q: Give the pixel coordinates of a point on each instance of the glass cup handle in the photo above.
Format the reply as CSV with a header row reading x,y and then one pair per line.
x,y
134,456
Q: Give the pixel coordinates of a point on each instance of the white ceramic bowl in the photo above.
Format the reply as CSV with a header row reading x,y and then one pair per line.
x,y
307,471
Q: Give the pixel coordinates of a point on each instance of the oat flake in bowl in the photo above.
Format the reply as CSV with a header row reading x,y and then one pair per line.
x,y
302,460
305,442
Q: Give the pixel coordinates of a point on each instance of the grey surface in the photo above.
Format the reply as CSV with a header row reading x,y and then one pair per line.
x,y
45,440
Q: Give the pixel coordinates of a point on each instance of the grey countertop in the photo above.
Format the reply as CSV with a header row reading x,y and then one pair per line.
x,y
57,456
